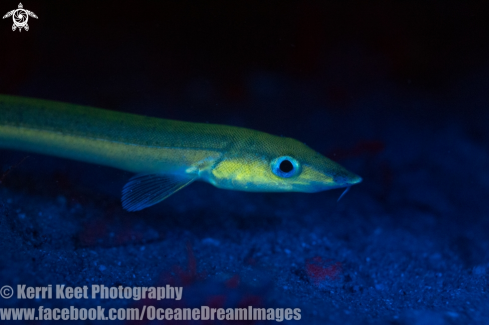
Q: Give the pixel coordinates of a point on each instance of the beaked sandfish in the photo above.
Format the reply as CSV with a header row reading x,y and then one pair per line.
x,y
167,155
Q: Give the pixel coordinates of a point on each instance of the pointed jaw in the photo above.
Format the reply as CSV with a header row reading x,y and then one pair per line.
x,y
353,179
346,180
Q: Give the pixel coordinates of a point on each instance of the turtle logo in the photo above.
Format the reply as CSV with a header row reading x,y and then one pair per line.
x,y
20,17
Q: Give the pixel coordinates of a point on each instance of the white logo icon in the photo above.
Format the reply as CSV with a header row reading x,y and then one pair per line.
x,y
6,292
20,17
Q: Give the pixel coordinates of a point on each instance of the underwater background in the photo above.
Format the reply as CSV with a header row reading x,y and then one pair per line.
x,y
397,92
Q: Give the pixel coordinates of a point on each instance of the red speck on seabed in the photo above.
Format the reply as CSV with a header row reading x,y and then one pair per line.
x,y
324,272
233,282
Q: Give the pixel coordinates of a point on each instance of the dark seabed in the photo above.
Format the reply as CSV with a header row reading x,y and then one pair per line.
x,y
396,93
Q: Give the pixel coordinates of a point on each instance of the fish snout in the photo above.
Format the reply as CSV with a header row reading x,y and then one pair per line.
x,y
347,180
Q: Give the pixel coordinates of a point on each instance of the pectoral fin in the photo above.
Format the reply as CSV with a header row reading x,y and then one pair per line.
x,y
145,190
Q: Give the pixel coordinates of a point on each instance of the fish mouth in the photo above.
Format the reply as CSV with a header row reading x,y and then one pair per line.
x,y
347,180
355,179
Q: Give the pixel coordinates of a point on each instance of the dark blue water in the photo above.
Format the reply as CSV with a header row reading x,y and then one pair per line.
x,y
395,93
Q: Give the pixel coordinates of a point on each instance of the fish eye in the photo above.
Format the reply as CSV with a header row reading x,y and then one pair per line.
x,y
285,166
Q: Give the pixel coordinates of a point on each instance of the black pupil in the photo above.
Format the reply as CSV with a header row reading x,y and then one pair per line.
x,y
286,166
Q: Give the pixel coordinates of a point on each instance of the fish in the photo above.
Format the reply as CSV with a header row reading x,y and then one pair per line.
x,y
167,155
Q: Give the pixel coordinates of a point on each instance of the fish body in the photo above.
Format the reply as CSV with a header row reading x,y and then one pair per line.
x,y
166,155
